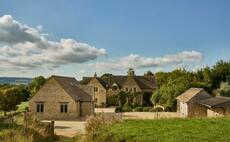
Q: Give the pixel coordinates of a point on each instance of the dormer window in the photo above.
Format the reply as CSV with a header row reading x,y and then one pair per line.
x,y
114,87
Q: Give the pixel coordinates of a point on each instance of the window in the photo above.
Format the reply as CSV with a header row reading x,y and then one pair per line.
x,y
96,100
127,89
130,89
134,89
40,107
95,89
64,108
114,88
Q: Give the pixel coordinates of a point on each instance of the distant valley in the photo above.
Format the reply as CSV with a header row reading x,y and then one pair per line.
x,y
15,80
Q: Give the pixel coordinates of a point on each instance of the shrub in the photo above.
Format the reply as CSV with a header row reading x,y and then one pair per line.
x,y
112,100
96,126
167,109
147,109
127,109
138,109
156,109
118,109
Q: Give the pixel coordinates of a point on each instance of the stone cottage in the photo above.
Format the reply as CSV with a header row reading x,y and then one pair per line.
x,y
217,106
62,98
109,85
188,103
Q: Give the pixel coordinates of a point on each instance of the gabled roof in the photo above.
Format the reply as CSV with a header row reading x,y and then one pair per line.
x,y
189,94
144,82
215,102
69,84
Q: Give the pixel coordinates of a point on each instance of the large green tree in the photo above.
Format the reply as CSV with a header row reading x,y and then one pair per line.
x,y
9,99
224,89
36,84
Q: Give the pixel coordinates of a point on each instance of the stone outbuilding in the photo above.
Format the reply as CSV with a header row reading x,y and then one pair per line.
x,y
217,106
62,98
188,103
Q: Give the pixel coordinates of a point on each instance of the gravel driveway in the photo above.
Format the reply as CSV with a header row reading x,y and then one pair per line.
x,y
69,128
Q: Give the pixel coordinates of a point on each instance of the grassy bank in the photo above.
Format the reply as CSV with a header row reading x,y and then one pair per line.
x,y
171,130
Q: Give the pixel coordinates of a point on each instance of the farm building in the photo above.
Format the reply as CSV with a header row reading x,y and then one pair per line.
x,y
217,106
62,98
188,103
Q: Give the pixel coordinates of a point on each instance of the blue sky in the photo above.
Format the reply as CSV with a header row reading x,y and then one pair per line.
x,y
150,29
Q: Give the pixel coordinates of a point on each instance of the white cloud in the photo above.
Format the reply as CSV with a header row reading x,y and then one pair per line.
x,y
26,48
137,61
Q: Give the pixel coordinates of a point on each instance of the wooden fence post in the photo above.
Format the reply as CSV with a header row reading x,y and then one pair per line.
x,y
52,127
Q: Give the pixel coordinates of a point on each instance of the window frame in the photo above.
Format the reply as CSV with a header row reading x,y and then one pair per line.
x,y
64,107
39,107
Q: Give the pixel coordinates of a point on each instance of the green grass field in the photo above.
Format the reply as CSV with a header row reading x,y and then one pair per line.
x,y
173,130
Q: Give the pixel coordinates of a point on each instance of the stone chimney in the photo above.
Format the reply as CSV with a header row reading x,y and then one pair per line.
x,y
95,74
131,72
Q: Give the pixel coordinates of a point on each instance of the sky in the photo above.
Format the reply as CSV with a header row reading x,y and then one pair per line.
x,y
80,37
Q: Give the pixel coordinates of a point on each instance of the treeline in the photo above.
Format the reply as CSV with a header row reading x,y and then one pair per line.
x,y
12,95
214,80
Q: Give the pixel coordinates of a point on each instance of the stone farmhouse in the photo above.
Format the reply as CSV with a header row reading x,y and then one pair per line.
x,y
109,85
196,102
62,98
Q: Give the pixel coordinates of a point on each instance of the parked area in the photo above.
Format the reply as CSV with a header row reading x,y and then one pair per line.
x,y
69,128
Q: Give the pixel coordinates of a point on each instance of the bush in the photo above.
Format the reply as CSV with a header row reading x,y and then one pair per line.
x,y
118,109
167,109
112,100
147,109
127,109
96,126
156,109
138,109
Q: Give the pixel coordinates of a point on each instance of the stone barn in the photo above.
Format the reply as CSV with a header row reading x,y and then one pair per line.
x,y
62,98
188,103
217,106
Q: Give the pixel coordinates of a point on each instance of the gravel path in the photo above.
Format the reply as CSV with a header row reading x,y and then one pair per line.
x,y
69,128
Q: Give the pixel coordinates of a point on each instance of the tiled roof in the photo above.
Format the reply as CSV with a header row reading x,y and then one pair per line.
x,y
218,101
69,84
144,82
189,94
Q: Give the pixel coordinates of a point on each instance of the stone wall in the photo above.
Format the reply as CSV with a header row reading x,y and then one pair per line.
x,y
100,95
87,109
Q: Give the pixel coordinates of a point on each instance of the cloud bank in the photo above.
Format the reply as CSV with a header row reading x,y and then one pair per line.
x,y
137,61
25,48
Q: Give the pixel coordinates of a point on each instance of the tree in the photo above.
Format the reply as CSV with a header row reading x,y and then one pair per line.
x,y
220,73
224,89
9,99
36,84
23,90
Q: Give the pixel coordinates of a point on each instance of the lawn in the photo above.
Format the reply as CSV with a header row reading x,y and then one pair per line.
x,y
173,130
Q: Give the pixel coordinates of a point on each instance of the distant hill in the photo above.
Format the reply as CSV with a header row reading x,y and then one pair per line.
x,y
15,80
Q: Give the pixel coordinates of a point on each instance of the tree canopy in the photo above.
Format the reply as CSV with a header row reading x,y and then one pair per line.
x,y
36,84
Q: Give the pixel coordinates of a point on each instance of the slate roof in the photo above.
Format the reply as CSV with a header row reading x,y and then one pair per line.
x,y
216,102
144,82
189,94
69,84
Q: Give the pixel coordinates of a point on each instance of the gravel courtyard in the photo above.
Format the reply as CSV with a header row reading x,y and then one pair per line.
x,y
71,128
